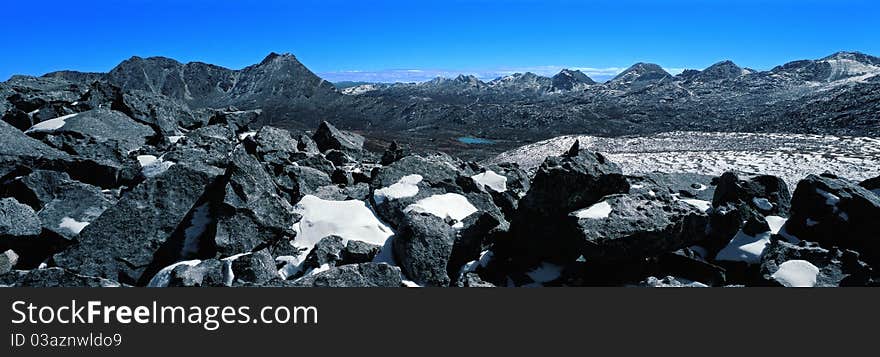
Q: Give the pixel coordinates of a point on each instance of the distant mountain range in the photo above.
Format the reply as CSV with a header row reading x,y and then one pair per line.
x,y
838,94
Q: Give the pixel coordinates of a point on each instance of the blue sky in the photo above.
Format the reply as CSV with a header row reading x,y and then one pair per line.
x,y
417,39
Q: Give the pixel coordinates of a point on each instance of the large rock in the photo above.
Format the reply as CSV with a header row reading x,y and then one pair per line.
x,y
204,147
238,120
370,275
99,134
64,205
256,268
251,212
561,185
835,212
22,153
627,227
20,230
8,261
422,248
165,115
808,265
766,194
121,243
327,137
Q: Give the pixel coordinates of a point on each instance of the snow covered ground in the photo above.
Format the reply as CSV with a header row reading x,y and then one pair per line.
x,y
789,156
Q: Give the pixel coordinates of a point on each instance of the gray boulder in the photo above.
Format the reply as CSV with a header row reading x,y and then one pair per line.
x,y
807,264
8,260
836,212
422,248
627,227
766,194
122,242
327,137
256,268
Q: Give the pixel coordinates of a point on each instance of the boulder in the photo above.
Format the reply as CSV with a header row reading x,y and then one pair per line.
x,y
251,211
836,212
422,248
64,205
327,252
121,243
766,194
561,185
204,148
257,268
98,134
327,137
355,275
357,252
22,153
238,120
872,184
807,264
626,227
8,261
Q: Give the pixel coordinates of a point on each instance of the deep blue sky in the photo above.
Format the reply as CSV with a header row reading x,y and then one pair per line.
x,y
389,39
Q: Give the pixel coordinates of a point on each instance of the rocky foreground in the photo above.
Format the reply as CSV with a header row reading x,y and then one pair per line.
x,y
110,193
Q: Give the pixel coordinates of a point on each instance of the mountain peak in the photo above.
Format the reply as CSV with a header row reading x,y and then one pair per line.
x,y
276,56
722,70
568,79
641,71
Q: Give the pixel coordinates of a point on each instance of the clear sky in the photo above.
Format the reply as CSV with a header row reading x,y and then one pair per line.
x,y
404,40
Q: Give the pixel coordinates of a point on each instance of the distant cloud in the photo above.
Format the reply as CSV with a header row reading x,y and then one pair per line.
x,y
421,75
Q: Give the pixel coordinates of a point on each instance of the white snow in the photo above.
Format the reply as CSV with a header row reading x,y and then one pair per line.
x,y
153,166
597,211
72,225
788,156
162,278
246,135
775,223
175,138
545,272
447,205
796,274
745,248
51,124
491,180
350,220
701,204
407,186
762,203
228,274
198,224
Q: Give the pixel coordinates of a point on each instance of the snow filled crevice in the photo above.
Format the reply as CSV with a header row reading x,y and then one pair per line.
x,y
72,225
153,166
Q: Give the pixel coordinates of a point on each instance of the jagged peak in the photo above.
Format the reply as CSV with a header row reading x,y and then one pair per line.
x,y
639,69
274,56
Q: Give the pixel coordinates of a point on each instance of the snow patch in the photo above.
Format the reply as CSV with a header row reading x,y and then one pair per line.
x,y
491,180
744,248
447,205
50,125
152,166
599,210
350,220
796,274
246,135
775,223
72,225
701,204
407,186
